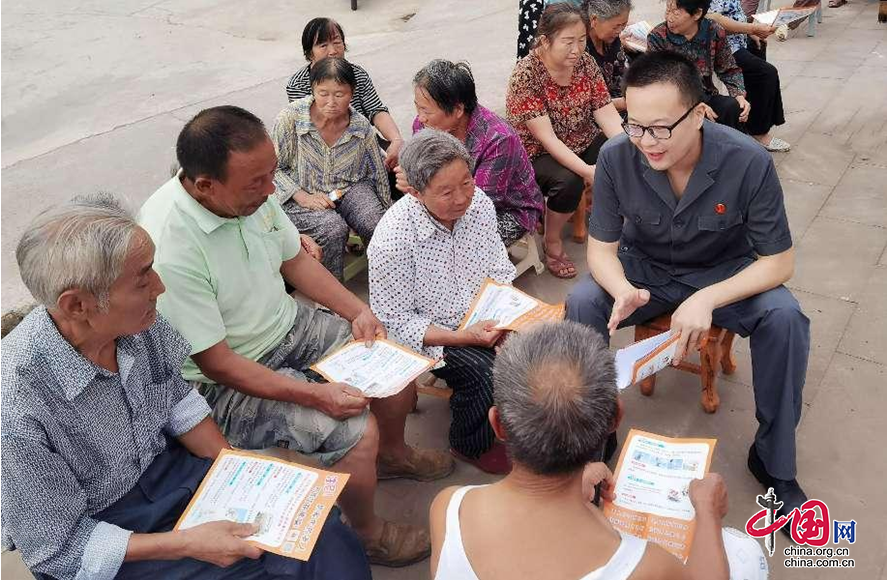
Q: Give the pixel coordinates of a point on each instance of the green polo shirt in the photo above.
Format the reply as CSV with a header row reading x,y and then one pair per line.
x,y
222,275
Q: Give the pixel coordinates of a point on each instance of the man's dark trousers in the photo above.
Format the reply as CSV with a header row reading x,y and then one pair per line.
x,y
780,343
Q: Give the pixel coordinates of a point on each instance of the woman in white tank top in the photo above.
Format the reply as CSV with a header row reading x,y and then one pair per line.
x,y
555,405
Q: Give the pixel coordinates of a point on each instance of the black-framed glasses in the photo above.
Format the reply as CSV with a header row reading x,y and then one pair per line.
x,y
658,132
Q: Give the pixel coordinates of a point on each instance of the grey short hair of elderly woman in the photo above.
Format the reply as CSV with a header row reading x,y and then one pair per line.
x,y
555,404
606,21
90,264
438,168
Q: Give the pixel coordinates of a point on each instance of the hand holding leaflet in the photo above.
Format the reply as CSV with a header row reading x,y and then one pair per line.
x,y
381,370
652,488
509,307
638,361
287,502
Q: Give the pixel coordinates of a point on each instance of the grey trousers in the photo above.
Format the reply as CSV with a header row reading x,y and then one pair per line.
x,y
780,344
360,209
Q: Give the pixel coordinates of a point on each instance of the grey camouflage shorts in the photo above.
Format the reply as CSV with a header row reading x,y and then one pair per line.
x,y
254,423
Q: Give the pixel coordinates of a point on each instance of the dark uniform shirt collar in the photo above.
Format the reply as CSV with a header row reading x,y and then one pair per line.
x,y
700,180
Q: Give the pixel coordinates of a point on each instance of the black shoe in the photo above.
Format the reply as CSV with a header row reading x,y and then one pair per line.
x,y
788,491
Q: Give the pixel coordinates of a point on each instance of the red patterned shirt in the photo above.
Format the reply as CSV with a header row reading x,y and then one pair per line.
x,y
533,93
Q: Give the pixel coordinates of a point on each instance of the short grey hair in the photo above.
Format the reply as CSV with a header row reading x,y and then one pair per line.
x,y
606,9
554,386
426,153
82,243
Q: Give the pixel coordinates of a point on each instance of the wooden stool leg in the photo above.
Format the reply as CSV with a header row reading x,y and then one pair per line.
x,y
580,231
709,357
728,361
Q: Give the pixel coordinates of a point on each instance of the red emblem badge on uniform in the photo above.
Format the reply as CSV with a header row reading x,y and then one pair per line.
x,y
720,208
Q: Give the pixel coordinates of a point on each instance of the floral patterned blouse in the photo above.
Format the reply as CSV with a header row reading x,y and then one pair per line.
x,y
708,49
533,93
612,65
732,9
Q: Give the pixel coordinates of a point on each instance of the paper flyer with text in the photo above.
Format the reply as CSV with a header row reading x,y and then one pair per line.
x,y
289,502
652,488
509,307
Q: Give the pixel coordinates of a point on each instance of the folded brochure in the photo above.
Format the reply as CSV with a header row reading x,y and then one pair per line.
x,y
638,361
509,307
288,502
379,371
652,488
787,15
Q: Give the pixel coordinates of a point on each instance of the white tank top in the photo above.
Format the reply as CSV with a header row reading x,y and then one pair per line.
x,y
454,565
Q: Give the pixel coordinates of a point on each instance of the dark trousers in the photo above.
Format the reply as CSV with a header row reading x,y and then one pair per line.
x,y
762,91
560,186
469,373
780,344
726,108
160,497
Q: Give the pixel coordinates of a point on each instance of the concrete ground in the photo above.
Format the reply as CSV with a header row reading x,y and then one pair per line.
x,y
93,95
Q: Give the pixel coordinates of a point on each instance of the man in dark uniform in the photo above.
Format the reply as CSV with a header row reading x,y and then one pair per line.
x,y
688,217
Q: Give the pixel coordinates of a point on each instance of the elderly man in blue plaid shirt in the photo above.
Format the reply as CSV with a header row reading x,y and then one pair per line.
x,y
103,441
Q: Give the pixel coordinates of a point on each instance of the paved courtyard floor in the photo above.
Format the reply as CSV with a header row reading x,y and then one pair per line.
x,y
94,93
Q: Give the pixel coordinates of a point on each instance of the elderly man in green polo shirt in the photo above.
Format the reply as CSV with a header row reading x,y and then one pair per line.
x,y
224,249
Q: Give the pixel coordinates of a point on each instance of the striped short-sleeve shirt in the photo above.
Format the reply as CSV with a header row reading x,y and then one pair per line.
x,y
365,100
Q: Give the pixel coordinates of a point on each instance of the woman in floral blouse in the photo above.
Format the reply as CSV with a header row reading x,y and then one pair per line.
x,y
688,32
606,21
558,102
330,176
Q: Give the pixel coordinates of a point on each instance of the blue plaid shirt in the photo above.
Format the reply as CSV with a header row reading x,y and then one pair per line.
x,y
77,437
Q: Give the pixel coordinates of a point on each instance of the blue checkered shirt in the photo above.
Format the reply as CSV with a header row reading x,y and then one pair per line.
x,y
77,437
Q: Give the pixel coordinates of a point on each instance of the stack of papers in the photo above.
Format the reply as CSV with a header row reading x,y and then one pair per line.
x,y
288,502
510,308
652,488
382,370
638,361
785,16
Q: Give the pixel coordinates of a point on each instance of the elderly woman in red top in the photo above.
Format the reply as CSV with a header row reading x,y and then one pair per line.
x,y
558,102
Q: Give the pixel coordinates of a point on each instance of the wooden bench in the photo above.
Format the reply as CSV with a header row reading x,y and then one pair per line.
x,y
717,352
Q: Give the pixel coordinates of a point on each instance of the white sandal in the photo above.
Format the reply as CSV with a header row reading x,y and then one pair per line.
x,y
778,145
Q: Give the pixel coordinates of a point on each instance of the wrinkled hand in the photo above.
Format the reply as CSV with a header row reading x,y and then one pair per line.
x,y
313,248
367,327
709,495
401,182
744,109
339,401
625,305
315,201
392,155
482,334
220,543
692,320
598,473
709,112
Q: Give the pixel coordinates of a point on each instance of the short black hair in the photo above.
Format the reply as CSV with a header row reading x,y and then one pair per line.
x,y
318,31
691,6
449,84
206,141
332,68
666,67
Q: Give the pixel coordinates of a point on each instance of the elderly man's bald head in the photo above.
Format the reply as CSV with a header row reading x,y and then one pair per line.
x,y
555,390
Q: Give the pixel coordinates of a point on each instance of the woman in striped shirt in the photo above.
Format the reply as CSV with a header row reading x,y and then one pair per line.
x,y
323,37
330,176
